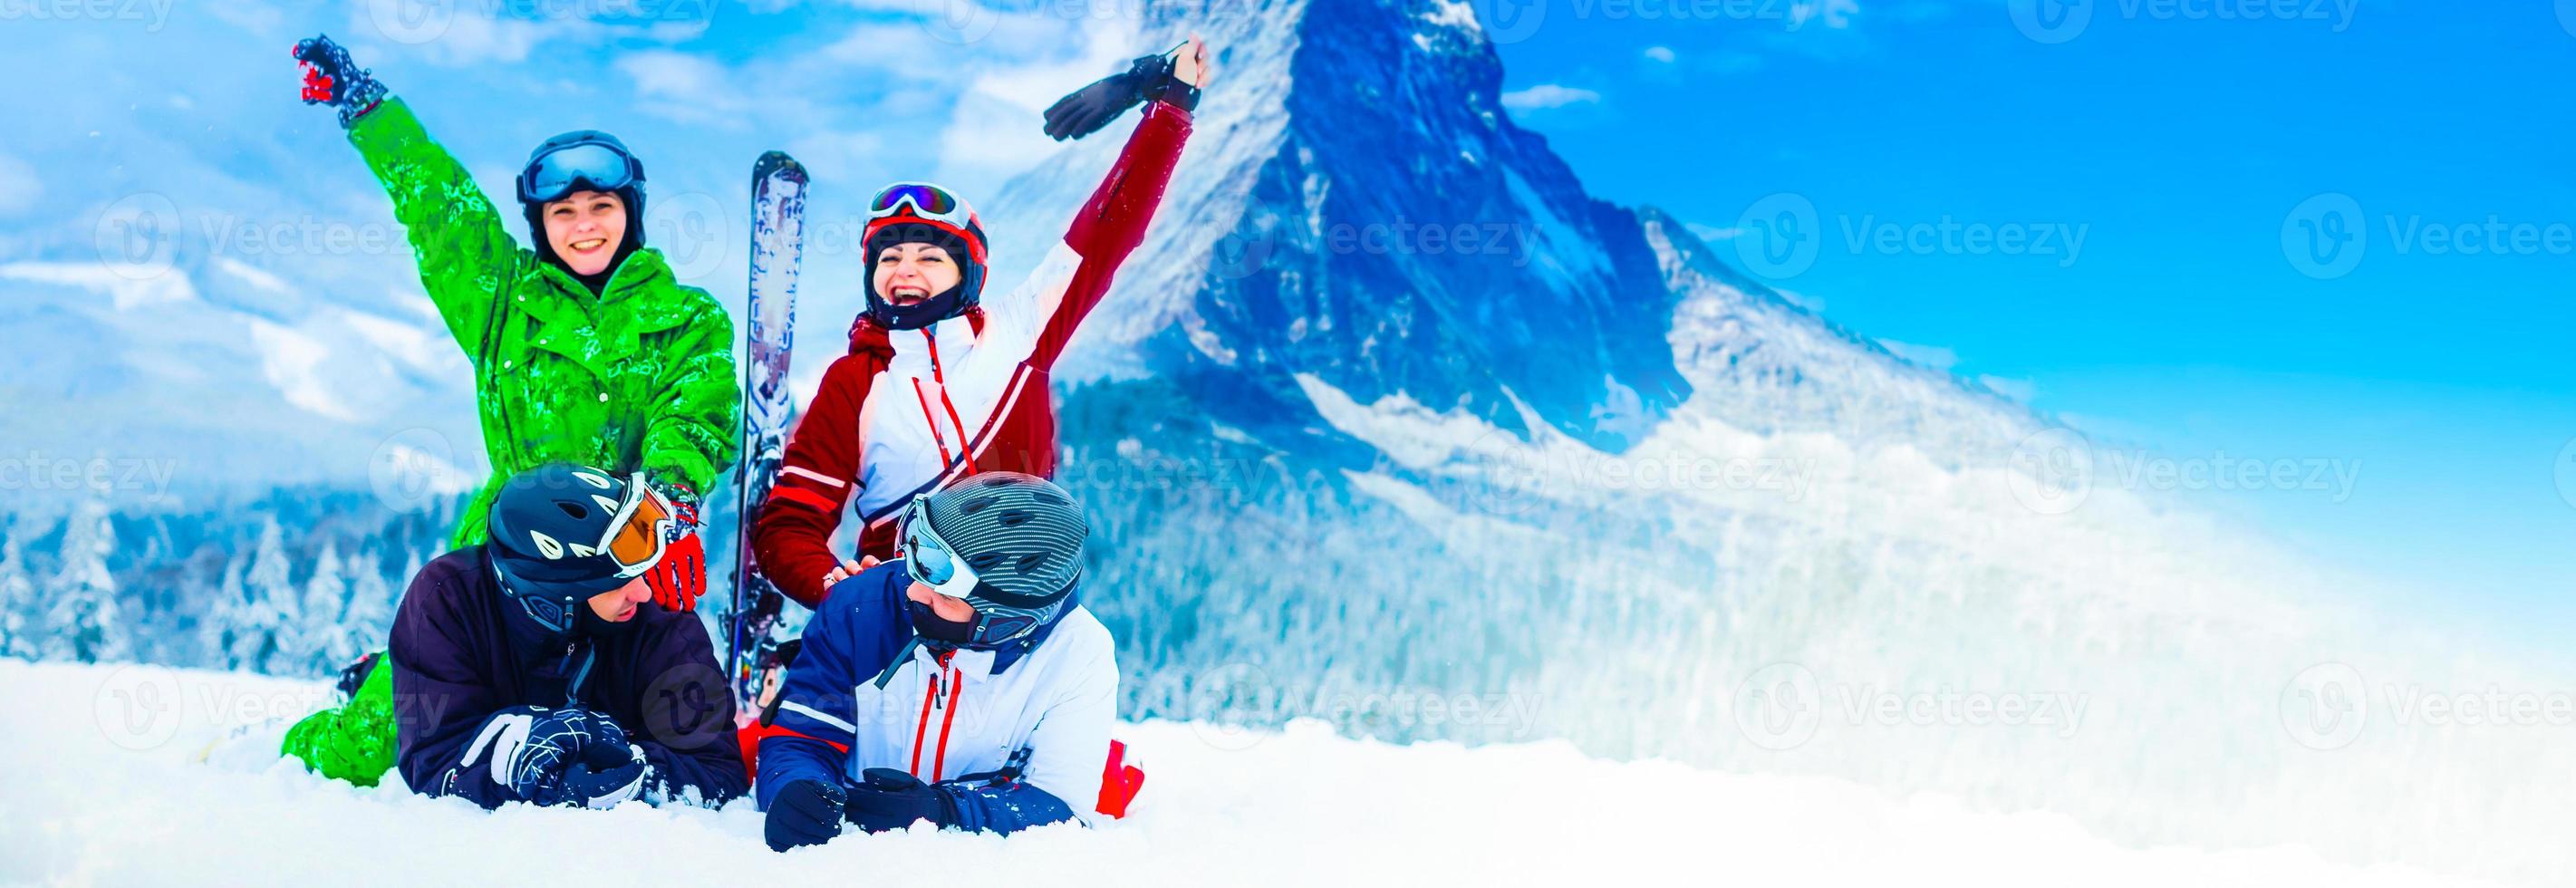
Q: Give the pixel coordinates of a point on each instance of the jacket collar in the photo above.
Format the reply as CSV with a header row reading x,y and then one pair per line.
x,y
640,275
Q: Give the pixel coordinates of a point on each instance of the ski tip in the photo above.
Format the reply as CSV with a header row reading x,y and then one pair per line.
x,y
775,162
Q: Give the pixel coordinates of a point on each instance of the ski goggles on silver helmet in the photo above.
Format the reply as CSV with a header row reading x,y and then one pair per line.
x,y
577,161
1000,616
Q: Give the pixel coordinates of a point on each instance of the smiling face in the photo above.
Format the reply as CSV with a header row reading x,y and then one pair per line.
x,y
585,228
910,273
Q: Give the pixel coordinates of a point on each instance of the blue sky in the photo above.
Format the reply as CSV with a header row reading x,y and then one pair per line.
x,y
2179,138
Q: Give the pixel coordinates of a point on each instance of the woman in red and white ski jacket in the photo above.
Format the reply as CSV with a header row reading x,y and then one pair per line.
x,y
936,389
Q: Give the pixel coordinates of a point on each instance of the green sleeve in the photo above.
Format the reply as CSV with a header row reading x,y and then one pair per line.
x,y
695,426
354,742
466,255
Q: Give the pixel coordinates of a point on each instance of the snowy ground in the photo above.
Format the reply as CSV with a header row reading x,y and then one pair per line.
x,y
100,783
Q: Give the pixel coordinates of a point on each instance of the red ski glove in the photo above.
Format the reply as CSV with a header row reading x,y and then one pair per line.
x,y
681,576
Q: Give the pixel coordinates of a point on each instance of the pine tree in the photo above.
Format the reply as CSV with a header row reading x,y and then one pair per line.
x,y
370,616
267,619
222,629
83,623
19,623
326,593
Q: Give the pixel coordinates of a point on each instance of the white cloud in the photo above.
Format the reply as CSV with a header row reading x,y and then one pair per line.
x,y
458,34
686,88
19,186
2022,390
292,361
1933,356
127,287
1548,95
1835,14
1662,54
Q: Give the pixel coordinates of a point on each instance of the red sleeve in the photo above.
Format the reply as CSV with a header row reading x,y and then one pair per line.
x,y
1114,221
792,538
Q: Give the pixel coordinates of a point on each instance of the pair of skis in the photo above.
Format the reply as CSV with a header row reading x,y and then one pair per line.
x,y
778,188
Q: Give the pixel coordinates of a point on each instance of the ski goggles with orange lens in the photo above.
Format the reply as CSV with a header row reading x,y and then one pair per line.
x,y
643,526
920,200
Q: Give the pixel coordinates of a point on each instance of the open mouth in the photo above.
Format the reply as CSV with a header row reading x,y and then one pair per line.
x,y
591,245
909,295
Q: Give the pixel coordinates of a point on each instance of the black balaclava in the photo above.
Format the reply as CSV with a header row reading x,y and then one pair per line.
x,y
932,627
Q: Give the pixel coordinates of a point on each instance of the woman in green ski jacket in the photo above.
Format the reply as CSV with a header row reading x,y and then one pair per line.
x,y
584,350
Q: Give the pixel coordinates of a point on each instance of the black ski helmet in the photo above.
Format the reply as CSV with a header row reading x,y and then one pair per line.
x,y
581,160
1022,536
543,524
923,213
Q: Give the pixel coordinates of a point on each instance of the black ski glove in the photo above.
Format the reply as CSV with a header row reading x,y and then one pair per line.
x,y
804,813
331,79
603,776
1092,107
893,799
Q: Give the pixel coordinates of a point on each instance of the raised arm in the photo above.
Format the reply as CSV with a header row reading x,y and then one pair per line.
x,y
1113,222
464,248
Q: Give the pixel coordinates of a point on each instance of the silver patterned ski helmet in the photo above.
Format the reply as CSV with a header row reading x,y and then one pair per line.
x,y
1010,544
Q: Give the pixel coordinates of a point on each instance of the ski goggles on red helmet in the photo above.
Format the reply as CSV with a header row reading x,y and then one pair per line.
x,y
642,527
588,161
1000,616
920,200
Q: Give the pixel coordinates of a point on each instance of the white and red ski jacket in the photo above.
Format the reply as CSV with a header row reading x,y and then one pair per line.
x,y
909,411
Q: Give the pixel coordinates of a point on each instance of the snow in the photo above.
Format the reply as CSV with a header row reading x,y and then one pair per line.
x,y
100,784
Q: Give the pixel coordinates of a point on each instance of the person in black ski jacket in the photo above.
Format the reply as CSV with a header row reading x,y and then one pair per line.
x,y
535,667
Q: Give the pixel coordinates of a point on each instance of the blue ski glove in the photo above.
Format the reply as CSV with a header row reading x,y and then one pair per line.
x,y
892,799
331,79
805,813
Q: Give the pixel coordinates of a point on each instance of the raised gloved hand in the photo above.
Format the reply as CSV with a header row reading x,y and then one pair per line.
x,y
804,813
893,799
330,78
681,576
1155,76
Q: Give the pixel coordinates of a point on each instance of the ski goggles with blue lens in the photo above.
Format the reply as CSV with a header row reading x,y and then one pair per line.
x,y
592,166
920,200
999,616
